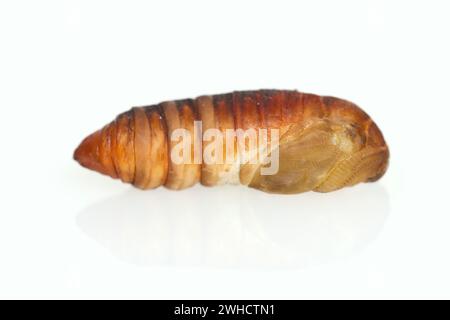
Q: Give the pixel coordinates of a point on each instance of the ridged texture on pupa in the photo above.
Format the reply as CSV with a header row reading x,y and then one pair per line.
x,y
325,143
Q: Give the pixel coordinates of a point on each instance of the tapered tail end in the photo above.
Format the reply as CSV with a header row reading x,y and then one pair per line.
x,y
89,155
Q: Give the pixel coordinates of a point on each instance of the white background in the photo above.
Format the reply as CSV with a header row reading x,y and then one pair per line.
x,y
68,67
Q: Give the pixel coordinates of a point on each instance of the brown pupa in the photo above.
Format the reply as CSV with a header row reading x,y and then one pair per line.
x,y
323,143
